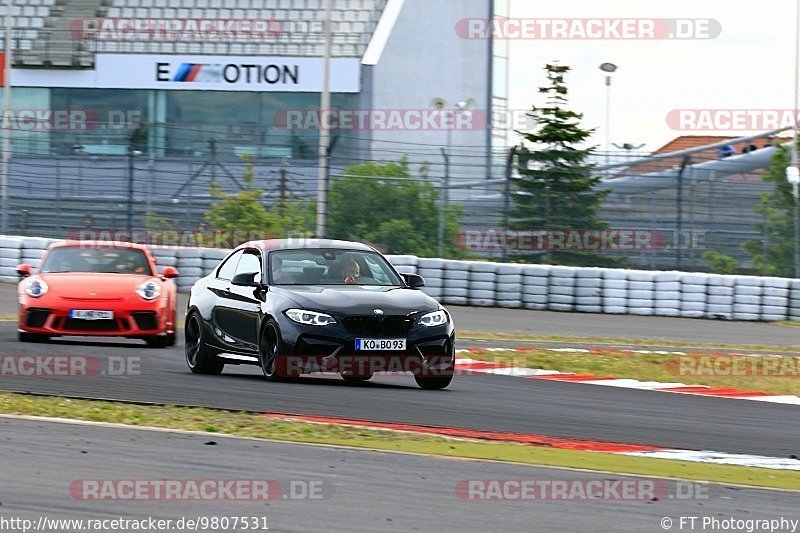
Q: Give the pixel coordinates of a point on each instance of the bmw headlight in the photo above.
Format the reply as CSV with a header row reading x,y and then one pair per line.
x,y
149,290
435,318
36,287
310,318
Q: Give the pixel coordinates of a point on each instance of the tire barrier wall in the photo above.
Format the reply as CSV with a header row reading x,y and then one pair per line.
x,y
512,285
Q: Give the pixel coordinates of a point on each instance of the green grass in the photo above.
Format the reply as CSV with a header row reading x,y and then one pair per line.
x,y
252,425
663,368
572,339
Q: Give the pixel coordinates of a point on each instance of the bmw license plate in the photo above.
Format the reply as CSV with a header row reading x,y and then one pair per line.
x,y
91,314
381,344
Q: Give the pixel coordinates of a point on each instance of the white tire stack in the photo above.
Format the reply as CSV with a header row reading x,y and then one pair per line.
x,y
561,296
33,249
747,298
509,285
720,296
190,265
615,291
212,258
433,272
589,290
667,300
641,292
694,294
482,283
164,255
535,283
456,283
794,300
404,264
10,258
774,299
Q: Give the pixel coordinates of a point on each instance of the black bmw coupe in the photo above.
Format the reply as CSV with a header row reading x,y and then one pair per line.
x,y
311,306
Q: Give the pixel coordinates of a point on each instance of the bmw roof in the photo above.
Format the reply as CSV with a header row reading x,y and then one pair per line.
x,y
301,243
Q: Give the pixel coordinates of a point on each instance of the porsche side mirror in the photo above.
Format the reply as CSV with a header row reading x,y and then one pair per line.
x,y
24,270
171,272
414,281
246,279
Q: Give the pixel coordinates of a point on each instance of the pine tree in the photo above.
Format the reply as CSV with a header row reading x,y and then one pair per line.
x,y
556,191
773,254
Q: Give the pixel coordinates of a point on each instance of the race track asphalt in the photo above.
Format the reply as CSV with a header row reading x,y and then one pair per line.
x,y
360,490
485,402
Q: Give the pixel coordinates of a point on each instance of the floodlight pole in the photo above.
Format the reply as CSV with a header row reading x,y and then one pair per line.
x,y
6,145
130,190
792,171
608,68
796,220
324,134
507,195
793,177
443,199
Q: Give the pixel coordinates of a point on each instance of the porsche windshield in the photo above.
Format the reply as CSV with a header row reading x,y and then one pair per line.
x,y
331,267
101,260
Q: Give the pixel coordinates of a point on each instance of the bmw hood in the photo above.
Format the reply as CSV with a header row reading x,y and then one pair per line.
x,y
360,300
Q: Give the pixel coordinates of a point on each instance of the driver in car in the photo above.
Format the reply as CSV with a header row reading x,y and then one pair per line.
x,y
124,265
69,264
277,273
351,272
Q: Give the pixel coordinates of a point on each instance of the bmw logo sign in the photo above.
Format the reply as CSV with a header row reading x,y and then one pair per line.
x,y
378,311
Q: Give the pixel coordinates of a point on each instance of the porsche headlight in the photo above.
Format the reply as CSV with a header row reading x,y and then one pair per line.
x,y
310,318
435,318
36,287
149,290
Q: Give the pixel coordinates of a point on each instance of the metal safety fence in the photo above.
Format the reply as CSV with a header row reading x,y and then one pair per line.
x,y
662,214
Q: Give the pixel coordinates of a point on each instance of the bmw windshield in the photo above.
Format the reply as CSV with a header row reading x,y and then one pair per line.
x,y
331,267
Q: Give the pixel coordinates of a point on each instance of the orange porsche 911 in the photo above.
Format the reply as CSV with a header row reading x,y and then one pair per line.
x,y
97,288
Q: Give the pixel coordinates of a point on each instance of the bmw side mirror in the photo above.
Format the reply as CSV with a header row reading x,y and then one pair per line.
x,y
246,279
414,281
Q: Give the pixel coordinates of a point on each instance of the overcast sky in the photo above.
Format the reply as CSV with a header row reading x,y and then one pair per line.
x,y
749,66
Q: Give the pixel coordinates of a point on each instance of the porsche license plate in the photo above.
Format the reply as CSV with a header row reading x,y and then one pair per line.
x,y
91,314
381,344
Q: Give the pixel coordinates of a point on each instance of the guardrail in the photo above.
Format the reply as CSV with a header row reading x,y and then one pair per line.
x,y
511,285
